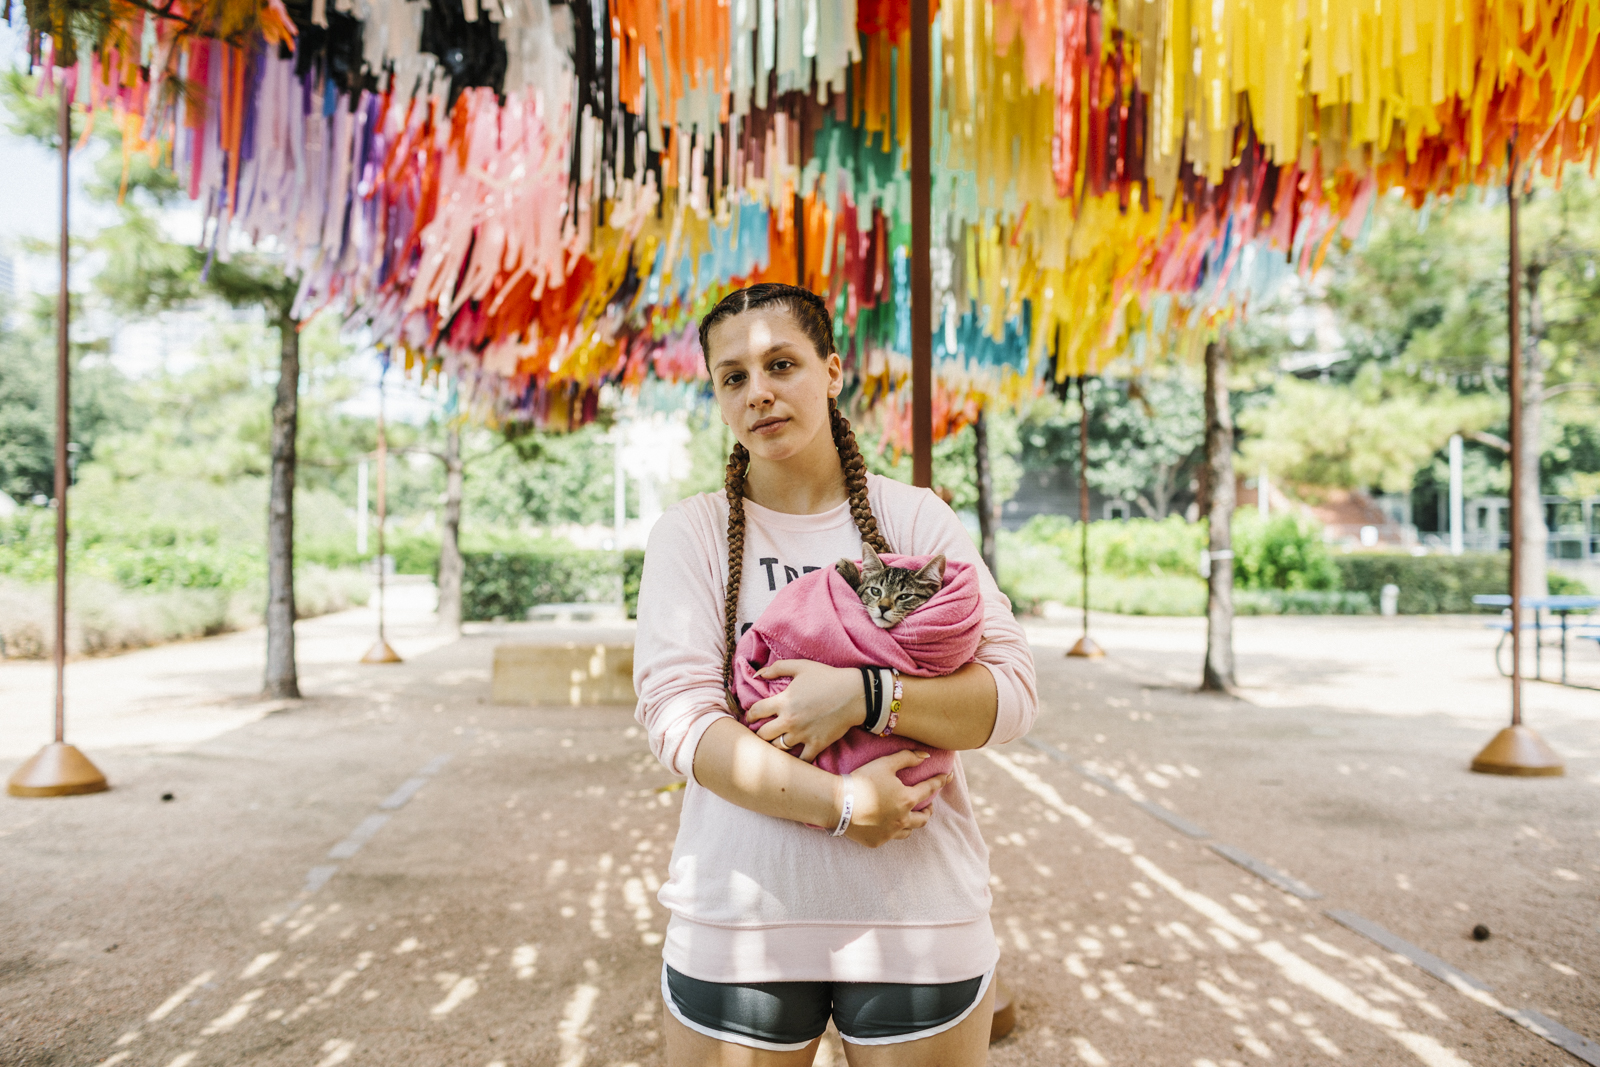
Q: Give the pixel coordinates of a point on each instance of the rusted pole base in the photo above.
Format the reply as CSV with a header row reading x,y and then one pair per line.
x,y
1005,1012
1520,752
57,770
1086,649
381,653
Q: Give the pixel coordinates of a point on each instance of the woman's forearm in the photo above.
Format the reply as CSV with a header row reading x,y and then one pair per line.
x,y
742,769
956,711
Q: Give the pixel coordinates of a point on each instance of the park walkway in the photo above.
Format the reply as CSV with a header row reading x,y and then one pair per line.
x,y
395,871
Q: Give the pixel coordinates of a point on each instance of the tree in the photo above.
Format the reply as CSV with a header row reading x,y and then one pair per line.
x,y
102,402
1216,504
1427,300
1375,431
146,273
1145,439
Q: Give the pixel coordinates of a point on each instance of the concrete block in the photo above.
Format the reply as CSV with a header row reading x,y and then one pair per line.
x,y
566,674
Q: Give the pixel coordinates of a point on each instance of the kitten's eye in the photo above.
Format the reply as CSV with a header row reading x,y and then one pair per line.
x,y
906,596
873,590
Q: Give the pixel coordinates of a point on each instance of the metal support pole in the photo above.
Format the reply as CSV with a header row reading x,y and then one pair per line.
x,y
921,250
1457,512
1516,750
63,423
382,652
59,769
1085,648
1514,387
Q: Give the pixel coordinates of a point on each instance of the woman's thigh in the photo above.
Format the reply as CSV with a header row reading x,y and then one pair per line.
x,y
964,1045
690,1048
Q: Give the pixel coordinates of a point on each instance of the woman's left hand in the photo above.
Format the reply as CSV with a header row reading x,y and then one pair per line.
x,y
817,709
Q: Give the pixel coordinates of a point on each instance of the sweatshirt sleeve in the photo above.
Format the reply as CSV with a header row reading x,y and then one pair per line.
x,y
1003,648
677,658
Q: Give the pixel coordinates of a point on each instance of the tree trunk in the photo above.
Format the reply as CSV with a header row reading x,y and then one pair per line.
x,y
450,565
1534,555
986,503
282,680
1219,496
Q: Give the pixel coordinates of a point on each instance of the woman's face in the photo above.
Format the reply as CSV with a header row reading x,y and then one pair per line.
x,y
771,386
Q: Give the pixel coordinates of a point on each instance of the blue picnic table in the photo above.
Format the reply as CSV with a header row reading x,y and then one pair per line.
x,y
1560,606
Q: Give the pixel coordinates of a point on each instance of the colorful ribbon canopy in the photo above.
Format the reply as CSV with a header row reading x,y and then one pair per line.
x,y
539,199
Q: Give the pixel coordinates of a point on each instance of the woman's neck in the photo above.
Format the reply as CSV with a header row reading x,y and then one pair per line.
x,y
807,483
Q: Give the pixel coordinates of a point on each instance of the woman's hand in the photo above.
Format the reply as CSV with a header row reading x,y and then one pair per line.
x,y
817,709
882,805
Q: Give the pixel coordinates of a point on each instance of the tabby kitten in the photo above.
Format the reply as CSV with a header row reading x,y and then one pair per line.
x,y
891,593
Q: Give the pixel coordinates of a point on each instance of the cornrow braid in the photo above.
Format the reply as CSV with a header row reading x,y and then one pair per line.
x,y
811,315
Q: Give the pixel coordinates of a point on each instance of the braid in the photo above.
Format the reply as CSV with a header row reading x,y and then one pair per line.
x,y
738,464
855,479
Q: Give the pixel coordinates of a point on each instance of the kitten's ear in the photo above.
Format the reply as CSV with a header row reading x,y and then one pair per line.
x,y
850,573
933,570
869,559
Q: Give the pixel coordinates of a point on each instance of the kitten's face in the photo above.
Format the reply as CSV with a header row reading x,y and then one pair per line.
x,y
891,593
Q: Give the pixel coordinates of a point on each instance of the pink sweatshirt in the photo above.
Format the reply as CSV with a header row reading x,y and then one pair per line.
x,y
759,899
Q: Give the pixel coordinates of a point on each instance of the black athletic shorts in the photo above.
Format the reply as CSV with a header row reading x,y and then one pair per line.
x,y
786,1016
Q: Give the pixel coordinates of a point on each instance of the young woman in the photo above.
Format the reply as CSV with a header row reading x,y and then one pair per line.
x,y
776,925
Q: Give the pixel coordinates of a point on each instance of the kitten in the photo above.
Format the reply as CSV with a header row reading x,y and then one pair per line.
x,y
891,593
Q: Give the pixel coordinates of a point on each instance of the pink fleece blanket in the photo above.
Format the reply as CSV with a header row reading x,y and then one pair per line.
x,y
820,618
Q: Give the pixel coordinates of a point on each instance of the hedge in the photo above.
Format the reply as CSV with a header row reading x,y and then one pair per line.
x,y
1429,585
509,584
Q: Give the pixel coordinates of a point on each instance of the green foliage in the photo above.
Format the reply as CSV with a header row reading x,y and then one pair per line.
x,y
1300,602
1429,585
955,463
1145,439
1565,585
1284,553
1376,430
507,584
103,403
543,479
161,534
1135,548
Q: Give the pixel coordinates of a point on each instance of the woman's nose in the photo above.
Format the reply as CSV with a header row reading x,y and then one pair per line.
x,y
760,395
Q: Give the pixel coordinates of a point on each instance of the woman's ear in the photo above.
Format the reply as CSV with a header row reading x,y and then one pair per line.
x,y
835,375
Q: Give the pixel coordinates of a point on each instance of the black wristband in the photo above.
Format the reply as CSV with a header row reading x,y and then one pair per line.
x,y
866,696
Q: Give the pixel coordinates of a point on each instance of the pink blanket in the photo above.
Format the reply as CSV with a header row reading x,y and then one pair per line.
x,y
820,618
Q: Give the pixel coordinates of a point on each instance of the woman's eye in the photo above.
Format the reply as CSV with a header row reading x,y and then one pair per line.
x,y
732,379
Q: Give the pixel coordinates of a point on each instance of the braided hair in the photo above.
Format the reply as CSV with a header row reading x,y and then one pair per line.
x,y
811,315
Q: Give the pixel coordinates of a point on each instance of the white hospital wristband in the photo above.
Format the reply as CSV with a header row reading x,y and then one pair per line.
x,y
849,808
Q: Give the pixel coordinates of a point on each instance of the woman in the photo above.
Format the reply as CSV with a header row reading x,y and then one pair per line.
x,y
777,925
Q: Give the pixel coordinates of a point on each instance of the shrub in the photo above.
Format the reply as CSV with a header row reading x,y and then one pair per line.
x,y
1566,585
105,618
1300,602
1428,584
1143,547
1285,552
508,584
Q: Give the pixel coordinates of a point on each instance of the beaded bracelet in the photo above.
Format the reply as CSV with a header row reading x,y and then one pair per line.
x,y
894,707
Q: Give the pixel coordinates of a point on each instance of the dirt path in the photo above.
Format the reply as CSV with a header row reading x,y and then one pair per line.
x,y
394,871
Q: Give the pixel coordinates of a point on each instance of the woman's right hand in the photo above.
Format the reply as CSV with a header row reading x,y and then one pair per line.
x,y
883,808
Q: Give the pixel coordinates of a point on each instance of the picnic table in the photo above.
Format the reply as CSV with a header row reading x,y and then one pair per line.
x,y
1560,606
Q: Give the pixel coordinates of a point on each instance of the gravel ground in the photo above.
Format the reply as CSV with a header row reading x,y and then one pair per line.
x,y
504,912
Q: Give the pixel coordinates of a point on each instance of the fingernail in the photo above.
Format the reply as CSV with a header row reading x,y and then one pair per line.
x,y
923,755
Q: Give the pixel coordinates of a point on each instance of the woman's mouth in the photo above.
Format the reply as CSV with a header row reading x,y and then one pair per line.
x,y
769,425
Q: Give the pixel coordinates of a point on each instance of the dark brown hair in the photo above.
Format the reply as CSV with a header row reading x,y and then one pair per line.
x,y
811,315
